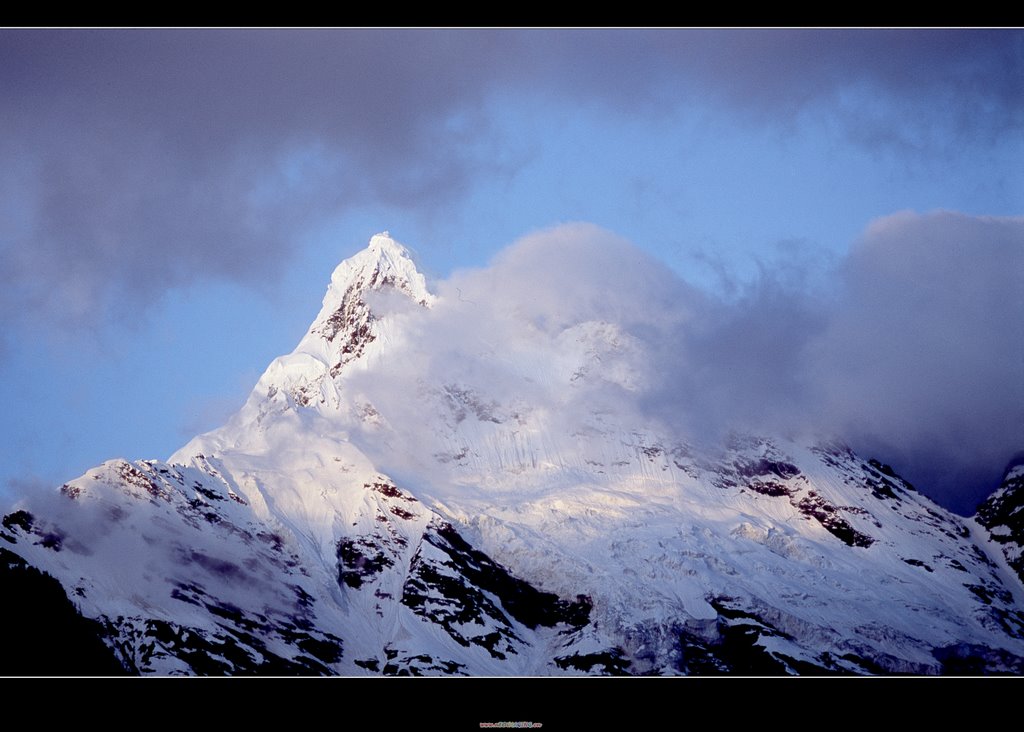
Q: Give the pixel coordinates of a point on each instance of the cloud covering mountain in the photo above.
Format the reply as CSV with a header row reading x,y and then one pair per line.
x,y
912,352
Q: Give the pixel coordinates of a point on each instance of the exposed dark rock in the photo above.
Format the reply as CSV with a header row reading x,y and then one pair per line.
x,y
19,519
965,659
1011,621
212,495
389,490
228,652
885,483
71,491
188,592
734,648
1002,514
456,605
41,631
132,476
402,513
401,663
453,587
988,593
866,664
918,563
524,602
764,467
421,665
358,560
51,538
608,663
769,488
814,506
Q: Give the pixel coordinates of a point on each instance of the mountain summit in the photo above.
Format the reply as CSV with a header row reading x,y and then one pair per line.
x,y
346,331
410,492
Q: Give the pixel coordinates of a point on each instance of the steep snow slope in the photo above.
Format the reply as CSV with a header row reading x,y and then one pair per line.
x,y
513,512
1002,514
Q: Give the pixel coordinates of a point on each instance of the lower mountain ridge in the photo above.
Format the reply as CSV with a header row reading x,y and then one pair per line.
x,y
464,527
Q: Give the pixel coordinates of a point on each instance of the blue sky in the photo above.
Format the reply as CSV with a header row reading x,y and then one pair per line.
x,y
172,203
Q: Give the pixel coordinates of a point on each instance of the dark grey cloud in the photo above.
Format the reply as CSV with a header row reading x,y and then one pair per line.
x,y
134,161
878,85
923,357
912,351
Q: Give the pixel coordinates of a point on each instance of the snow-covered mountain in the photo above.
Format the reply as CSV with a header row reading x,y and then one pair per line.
x,y
510,511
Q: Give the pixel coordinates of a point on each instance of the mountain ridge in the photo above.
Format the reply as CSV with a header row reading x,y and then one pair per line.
x,y
543,529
